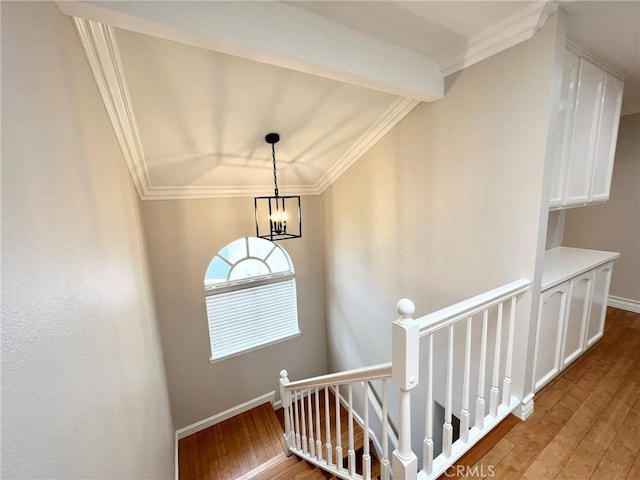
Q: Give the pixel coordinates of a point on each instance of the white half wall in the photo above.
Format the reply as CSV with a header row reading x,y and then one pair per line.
x,y
83,386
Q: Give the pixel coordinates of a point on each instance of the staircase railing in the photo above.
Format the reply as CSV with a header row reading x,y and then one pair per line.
x,y
484,372
320,397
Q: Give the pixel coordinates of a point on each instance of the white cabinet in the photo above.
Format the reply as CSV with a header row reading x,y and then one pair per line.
x,y
595,324
607,137
553,306
589,114
573,304
584,136
565,123
575,321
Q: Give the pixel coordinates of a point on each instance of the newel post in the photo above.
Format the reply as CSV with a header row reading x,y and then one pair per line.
x,y
286,404
405,337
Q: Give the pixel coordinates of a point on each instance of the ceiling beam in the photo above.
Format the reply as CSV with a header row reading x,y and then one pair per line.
x,y
276,34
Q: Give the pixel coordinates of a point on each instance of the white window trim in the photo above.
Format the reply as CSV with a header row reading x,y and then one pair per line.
x,y
223,313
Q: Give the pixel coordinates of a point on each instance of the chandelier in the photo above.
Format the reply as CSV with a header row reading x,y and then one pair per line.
x,y
277,217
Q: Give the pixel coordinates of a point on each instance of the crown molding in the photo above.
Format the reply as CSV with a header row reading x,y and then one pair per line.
x,y
515,29
192,192
101,49
396,112
102,52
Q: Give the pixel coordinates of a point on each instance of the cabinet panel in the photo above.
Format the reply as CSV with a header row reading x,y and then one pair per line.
x,y
553,304
600,293
576,318
607,136
584,134
565,122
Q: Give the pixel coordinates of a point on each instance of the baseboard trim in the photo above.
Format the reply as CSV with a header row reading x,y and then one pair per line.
x,y
624,303
222,416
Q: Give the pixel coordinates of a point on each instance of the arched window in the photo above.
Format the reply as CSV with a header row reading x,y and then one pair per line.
x,y
250,292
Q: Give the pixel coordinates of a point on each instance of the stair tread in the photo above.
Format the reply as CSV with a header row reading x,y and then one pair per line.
x,y
277,469
295,472
317,474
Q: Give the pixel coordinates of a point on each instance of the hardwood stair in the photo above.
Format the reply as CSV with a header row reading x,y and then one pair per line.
x,y
293,468
250,446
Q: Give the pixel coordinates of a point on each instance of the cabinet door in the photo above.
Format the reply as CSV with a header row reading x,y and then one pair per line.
x,y
565,124
553,305
595,324
584,134
576,319
607,136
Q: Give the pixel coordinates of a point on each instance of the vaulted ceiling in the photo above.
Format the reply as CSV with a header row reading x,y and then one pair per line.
x,y
193,87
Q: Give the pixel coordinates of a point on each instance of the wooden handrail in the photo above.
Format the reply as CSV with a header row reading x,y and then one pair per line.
x,y
374,372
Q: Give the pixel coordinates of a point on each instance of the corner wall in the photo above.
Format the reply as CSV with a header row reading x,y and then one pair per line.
x,y
615,225
83,386
182,237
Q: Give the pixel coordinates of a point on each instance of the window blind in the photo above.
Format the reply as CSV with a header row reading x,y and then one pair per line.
x,y
249,318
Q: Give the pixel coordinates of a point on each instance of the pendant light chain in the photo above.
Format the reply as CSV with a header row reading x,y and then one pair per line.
x,y
275,173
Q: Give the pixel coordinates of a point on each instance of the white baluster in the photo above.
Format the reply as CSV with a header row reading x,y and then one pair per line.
x,y
318,432
292,422
480,403
286,406
384,462
327,420
297,417
405,353
506,385
305,446
351,453
312,444
447,428
494,396
339,459
427,447
464,413
366,457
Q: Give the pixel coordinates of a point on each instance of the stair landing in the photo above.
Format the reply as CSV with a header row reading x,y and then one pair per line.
x,y
249,446
233,448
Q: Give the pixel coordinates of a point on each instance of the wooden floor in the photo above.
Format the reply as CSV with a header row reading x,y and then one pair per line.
x,y
586,424
250,446
233,448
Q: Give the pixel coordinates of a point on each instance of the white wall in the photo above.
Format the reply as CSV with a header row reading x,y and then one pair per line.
x,y
447,205
83,386
615,225
182,237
